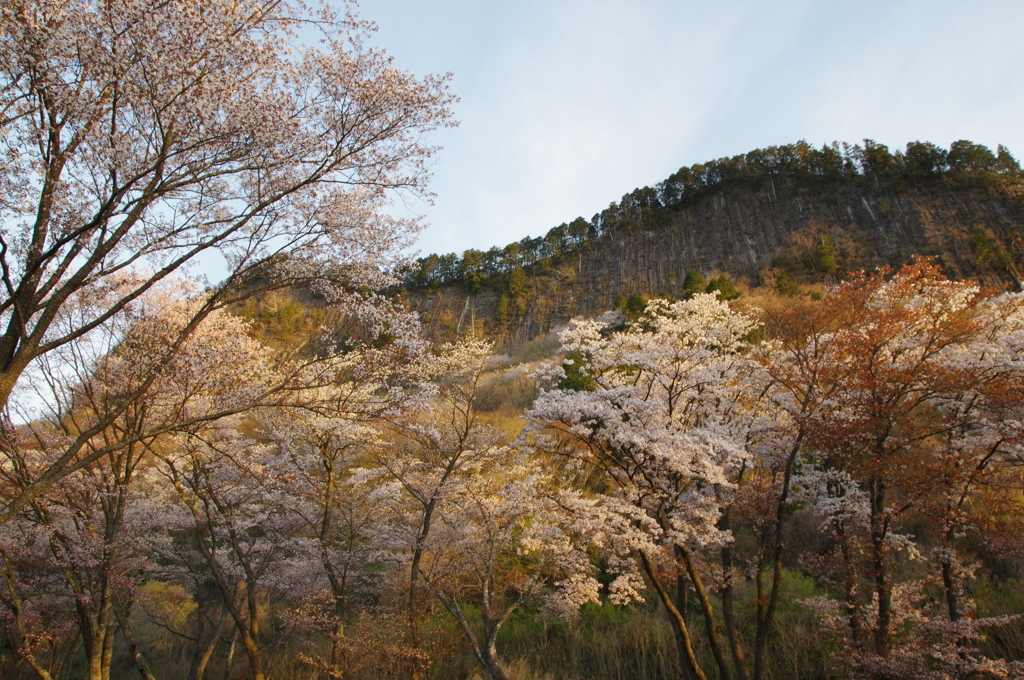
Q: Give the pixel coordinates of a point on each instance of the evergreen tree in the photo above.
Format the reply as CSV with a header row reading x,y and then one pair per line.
x,y
501,312
576,377
694,283
785,285
635,306
724,286
827,256
519,289
1006,164
471,269
968,158
694,280
924,160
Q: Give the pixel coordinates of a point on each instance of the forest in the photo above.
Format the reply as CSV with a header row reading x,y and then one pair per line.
x,y
284,474
800,168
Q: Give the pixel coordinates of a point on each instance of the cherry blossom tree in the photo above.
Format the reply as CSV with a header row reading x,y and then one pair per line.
x,y
503,534
180,601
664,430
228,494
265,492
37,614
88,526
341,516
86,537
418,454
140,137
468,519
216,368
505,537
901,389
217,380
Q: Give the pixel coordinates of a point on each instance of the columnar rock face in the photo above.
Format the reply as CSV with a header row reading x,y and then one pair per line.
x,y
974,230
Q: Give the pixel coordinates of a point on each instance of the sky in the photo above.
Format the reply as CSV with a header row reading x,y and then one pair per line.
x,y
567,105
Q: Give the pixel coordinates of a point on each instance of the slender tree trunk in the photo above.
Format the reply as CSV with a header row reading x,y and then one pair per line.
x,y
486,653
247,628
879,565
708,611
412,614
133,647
952,600
688,663
728,613
231,655
683,605
850,586
99,646
339,660
949,579
252,650
93,656
490,660
198,649
766,612
108,645
202,655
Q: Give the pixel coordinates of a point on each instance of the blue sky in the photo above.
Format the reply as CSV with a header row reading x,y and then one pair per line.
x,y
567,105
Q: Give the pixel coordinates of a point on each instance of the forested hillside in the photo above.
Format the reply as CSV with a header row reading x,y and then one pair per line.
x,y
286,475
794,211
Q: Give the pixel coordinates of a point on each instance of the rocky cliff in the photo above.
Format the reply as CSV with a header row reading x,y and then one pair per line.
x,y
975,229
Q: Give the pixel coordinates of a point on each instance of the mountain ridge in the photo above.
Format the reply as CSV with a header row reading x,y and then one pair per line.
x,y
753,217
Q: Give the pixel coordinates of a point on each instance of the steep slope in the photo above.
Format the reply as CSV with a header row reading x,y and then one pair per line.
x,y
746,232
750,221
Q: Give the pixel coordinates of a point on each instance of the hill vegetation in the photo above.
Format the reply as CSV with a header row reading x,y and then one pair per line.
x,y
284,477
785,216
815,488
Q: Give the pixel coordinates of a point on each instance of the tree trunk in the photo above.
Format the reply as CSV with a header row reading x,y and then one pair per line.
x,y
133,647
728,614
708,611
850,585
98,648
339,661
879,565
683,605
949,579
231,655
252,650
766,612
688,663
202,655
490,660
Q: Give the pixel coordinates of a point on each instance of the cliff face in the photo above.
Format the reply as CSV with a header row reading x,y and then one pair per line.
x,y
746,232
751,233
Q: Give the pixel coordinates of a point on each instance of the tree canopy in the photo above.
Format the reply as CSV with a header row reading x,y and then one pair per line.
x,y
802,166
140,137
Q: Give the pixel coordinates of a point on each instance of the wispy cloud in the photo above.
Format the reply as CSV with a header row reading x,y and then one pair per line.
x,y
568,105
